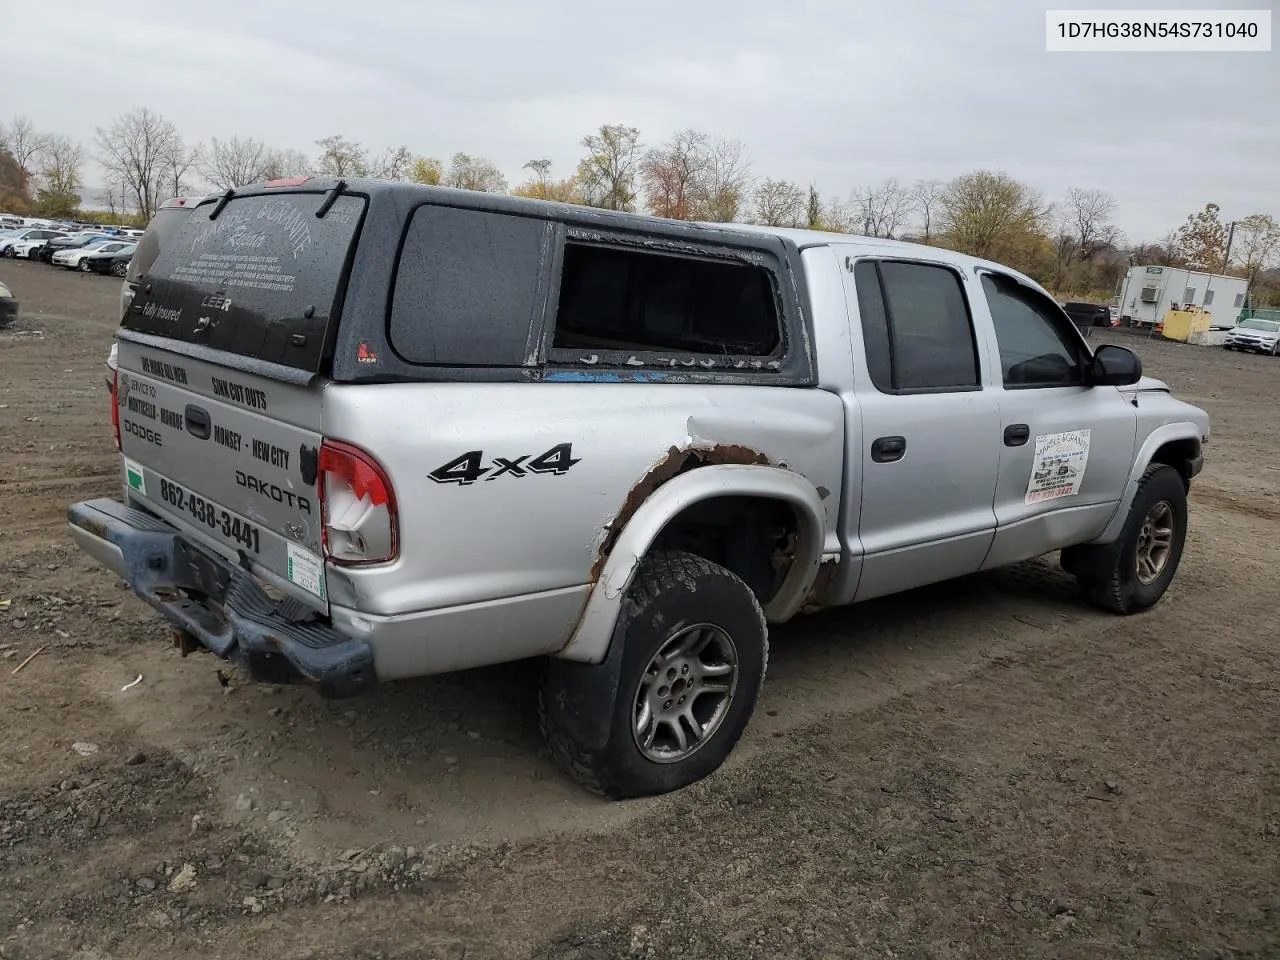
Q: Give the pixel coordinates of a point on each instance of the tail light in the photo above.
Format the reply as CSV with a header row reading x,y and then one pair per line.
x,y
357,506
115,405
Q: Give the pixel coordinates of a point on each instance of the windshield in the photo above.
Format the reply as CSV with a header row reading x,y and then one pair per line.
x,y
1270,326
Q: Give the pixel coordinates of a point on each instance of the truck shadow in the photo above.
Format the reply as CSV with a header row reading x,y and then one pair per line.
x,y
460,756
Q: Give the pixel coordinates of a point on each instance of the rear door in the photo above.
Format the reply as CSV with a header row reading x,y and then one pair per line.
x,y
219,418
929,426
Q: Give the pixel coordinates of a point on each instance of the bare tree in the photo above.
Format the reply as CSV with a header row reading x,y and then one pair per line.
x,y
234,162
394,163
1256,244
177,164
24,143
340,157
1090,213
779,203
139,150
285,163
925,195
880,211
607,174
726,181
474,173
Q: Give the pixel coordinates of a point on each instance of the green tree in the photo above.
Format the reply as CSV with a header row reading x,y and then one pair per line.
x,y
15,184
989,214
427,170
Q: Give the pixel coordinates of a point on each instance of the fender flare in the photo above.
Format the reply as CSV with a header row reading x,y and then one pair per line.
x,y
591,638
1157,438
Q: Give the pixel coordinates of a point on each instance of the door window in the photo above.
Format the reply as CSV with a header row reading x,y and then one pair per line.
x,y
916,327
1036,348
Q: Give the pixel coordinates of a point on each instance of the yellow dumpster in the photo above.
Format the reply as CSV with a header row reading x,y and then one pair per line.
x,y
1181,324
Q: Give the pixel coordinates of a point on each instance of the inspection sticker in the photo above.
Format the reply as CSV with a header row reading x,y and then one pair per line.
x,y
133,475
1058,467
306,570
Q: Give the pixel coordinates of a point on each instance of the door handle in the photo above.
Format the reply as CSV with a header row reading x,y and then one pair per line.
x,y
198,421
888,449
1016,434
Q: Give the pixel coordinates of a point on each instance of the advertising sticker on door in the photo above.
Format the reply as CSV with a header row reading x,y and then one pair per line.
x,y
1058,467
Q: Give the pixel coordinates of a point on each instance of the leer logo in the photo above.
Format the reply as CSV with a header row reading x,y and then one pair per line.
x,y
364,354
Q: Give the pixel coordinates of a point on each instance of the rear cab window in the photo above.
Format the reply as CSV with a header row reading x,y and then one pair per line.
x,y
261,280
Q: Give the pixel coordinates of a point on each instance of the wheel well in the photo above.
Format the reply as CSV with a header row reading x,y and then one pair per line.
x,y
1178,454
754,537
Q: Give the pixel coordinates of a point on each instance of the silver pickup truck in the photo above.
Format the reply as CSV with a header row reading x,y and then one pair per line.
x,y
376,430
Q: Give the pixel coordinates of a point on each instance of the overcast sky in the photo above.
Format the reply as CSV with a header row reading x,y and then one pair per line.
x,y
839,94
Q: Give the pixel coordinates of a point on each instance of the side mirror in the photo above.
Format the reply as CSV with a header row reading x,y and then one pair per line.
x,y
1114,367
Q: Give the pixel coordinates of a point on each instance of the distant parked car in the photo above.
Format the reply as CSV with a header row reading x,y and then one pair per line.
x,y
1260,336
30,233
113,263
1088,314
8,307
26,249
77,241
74,259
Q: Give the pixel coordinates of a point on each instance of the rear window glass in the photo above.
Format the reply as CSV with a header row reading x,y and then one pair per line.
x,y
260,281
162,226
466,289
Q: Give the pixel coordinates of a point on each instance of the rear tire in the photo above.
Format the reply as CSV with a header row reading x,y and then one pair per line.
x,y
1132,574
688,655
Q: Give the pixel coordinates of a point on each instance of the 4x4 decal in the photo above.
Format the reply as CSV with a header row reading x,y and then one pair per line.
x,y
469,468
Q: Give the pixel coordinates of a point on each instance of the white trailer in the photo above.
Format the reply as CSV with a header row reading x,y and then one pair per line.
x,y
1145,294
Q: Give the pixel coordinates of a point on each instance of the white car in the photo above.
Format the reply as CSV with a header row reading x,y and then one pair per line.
x,y
26,249
71,259
31,233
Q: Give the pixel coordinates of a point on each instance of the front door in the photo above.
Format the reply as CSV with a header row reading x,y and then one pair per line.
x,y
1066,448
929,438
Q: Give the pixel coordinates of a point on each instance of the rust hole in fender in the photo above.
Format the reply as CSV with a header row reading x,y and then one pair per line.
x,y
821,589
675,462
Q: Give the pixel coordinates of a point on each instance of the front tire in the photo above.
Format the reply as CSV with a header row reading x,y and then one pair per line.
x,y
1132,574
687,660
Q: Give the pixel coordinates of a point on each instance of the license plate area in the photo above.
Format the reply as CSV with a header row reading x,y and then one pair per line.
x,y
201,572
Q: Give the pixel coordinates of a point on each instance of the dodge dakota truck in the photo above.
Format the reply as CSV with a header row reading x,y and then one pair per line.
x,y
375,430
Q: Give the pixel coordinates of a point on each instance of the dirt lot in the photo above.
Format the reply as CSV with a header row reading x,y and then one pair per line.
x,y
981,769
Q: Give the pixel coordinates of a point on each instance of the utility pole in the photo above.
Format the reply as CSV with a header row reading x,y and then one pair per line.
x,y
1226,262
1226,257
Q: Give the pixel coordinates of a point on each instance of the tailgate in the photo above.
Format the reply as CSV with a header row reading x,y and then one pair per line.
x,y
218,394
229,458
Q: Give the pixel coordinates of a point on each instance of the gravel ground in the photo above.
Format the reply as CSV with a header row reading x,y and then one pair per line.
x,y
985,768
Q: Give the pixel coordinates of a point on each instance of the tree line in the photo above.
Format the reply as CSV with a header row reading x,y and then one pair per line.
x,y
1072,245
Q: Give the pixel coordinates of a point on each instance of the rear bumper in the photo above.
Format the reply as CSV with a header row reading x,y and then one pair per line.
x,y
275,641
